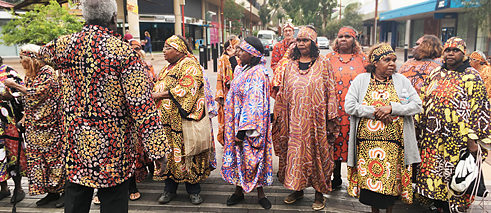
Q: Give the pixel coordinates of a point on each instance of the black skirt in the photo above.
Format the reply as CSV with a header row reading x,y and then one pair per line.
x,y
377,200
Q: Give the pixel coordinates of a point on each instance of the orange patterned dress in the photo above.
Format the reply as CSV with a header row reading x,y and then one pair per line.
x,y
345,68
307,124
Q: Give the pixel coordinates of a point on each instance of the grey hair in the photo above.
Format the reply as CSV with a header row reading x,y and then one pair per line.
x,y
99,11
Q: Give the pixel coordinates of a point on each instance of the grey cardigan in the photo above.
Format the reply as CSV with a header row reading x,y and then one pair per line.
x,y
354,108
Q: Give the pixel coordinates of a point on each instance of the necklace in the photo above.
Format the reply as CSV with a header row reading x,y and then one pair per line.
x,y
342,61
303,72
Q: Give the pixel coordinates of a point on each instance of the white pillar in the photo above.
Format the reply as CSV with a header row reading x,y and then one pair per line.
x,y
133,18
407,38
178,18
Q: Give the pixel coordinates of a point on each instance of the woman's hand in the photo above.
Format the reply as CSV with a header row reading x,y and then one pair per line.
x,y
238,142
221,101
160,95
10,83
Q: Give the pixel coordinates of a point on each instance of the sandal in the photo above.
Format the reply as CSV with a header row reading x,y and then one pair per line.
x,y
319,206
135,196
293,197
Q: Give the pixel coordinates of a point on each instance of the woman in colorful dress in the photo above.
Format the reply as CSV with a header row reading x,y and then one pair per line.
x,y
477,60
455,116
426,57
225,75
307,121
179,93
382,142
247,152
44,147
11,109
347,61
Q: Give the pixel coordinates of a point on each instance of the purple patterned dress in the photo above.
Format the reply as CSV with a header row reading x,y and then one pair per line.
x,y
247,108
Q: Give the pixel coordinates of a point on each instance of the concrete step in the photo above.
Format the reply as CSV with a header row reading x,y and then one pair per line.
x,y
215,192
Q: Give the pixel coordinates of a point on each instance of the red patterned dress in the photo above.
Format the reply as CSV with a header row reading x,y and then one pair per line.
x,y
345,68
307,116
43,133
9,135
417,70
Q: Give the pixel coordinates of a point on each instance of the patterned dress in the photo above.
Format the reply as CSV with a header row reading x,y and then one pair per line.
x,y
224,76
9,134
43,133
279,51
185,83
345,68
417,70
247,109
105,94
455,109
485,72
380,150
305,126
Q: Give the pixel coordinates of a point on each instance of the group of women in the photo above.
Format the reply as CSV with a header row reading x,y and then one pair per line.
x,y
343,107
347,107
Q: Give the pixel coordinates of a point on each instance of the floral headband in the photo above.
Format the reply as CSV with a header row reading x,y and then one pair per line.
x,y
28,54
177,44
347,31
309,33
251,50
288,25
381,52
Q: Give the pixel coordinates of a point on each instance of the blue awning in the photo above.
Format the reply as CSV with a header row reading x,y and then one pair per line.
x,y
420,8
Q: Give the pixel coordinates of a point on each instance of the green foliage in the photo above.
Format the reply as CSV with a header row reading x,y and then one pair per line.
x,y
233,13
264,14
351,17
40,25
310,12
479,10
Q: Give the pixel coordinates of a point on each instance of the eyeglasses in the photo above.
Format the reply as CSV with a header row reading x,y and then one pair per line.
x,y
304,40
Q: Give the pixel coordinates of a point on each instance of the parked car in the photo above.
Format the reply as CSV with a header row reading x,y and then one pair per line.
x,y
268,38
323,42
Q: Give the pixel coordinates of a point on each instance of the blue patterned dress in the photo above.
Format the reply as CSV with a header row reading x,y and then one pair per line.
x,y
247,108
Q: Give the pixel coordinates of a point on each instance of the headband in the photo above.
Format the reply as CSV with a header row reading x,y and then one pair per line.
x,y
381,52
177,44
347,31
28,54
288,25
455,42
309,33
251,50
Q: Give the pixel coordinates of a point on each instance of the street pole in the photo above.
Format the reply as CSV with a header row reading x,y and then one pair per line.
x,y
250,18
340,9
178,18
375,22
222,24
407,39
182,16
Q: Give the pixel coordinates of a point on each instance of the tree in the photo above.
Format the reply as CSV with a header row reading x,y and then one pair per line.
x,y
352,17
310,12
479,10
233,13
40,25
264,14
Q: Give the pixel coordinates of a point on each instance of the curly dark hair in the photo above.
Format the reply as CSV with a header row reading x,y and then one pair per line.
x,y
313,52
370,68
431,47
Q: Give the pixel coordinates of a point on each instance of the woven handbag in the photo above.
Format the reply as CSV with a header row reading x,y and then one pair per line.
x,y
196,135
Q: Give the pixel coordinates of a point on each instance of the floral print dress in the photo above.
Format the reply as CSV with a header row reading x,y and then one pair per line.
x,y
380,150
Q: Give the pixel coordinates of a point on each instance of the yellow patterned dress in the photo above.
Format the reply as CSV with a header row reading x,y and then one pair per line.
x,y
184,81
380,175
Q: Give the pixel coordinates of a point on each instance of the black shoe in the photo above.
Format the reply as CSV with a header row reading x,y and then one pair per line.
x,y
264,202
20,196
61,202
166,197
195,199
47,199
234,199
337,183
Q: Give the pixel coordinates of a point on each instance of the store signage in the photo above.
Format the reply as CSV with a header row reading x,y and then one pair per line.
x,y
442,4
